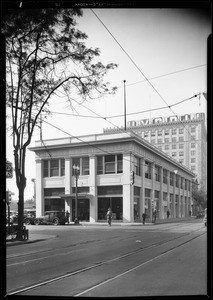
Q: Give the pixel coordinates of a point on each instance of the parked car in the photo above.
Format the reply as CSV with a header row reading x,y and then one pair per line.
x,y
29,216
52,217
205,218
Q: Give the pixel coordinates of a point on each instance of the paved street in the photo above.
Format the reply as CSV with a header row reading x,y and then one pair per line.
x,y
102,261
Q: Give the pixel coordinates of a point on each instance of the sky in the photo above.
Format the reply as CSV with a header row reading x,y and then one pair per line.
x,y
162,56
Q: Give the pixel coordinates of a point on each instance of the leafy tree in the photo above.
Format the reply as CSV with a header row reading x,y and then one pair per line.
x,y
200,198
45,54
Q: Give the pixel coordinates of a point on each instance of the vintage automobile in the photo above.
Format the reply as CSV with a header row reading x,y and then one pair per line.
x,y
29,216
52,217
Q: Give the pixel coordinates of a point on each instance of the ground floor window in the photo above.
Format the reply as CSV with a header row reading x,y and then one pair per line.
x,y
54,204
115,203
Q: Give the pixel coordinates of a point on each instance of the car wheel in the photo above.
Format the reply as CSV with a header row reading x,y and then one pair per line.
x,y
56,221
36,222
27,221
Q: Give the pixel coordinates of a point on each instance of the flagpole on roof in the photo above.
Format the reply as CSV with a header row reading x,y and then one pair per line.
x,y
124,105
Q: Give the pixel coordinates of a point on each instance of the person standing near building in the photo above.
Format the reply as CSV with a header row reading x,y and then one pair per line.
x,y
168,213
109,216
68,216
144,217
154,216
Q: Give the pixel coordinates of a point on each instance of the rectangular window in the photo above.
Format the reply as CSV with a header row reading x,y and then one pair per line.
x,y
193,160
99,164
152,141
177,181
193,129
137,168
180,130
193,153
181,139
185,184
54,167
193,145
146,134
174,154
181,182
159,132
165,174
159,141
171,179
153,133
109,164
174,140
166,147
85,165
46,168
193,168
181,161
120,163
160,148
62,161
148,167
181,153
193,137
167,132
181,146
174,131
166,140
174,146
157,173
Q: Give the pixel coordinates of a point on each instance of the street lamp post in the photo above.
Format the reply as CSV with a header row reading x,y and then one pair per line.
x,y
76,171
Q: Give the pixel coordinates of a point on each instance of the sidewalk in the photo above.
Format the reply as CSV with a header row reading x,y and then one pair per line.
x,y
36,237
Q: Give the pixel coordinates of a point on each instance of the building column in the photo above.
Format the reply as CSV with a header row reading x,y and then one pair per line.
x,y
142,199
128,191
39,188
93,190
152,196
174,199
161,207
67,183
179,198
168,192
183,203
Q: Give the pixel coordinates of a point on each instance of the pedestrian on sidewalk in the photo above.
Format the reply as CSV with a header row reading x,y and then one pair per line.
x,y
144,217
154,216
168,213
109,216
68,216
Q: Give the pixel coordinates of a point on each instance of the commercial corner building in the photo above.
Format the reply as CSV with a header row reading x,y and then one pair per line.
x,y
106,163
183,137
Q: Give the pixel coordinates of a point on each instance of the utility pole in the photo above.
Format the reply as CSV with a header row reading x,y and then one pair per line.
x,y
124,105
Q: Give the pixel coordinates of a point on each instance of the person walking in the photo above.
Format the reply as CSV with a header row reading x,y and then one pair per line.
x,y
68,216
144,217
109,216
168,213
154,216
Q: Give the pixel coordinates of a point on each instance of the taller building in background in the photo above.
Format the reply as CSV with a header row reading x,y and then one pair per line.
x,y
184,138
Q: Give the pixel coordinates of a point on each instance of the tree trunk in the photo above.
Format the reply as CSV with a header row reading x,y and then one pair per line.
x,y
20,214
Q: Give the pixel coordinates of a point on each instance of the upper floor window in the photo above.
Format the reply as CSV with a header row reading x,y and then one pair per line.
x,y
148,168
152,141
110,164
193,153
181,153
193,145
177,181
181,146
171,178
193,129
174,140
174,146
165,174
166,131
166,147
193,137
146,134
153,133
157,173
54,167
159,141
174,154
180,130
83,163
159,132
137,167
181,139
174,131
166,140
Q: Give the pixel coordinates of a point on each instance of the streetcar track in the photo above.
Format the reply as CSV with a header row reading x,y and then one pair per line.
x,y
98,264
94,241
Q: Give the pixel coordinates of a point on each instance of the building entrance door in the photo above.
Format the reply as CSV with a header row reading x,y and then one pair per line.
x,y
83,209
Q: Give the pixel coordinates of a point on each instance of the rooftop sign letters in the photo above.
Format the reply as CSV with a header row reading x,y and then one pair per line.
x,y
160,120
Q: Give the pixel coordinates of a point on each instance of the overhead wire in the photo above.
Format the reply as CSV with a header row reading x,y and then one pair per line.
x,y
140,70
